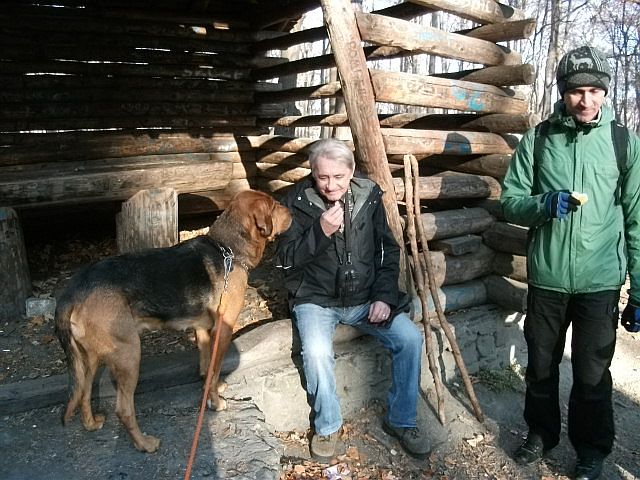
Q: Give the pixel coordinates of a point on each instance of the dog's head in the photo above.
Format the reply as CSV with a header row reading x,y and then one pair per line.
x,y
262,214
250,221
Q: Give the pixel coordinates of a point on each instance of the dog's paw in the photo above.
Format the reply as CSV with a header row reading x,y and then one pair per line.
x,y
217,405
93,424
148,444
222,386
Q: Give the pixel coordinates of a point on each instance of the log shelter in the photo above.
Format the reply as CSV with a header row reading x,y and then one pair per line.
x,y
104,99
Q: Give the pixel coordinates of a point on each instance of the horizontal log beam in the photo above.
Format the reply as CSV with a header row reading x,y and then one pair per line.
x,y
452,187
510,266
493,165
502,31
480,11
404,10
120,69
117,179
386,31
425,91
498,76
61,82
124,122
492,122
68,147
452,270
432,142
506,237
453,223
506,292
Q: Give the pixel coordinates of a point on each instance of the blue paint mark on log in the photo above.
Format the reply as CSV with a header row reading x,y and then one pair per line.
x,y
473,100
457,148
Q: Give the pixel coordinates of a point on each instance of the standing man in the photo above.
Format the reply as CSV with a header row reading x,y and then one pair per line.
x,y
341,265
574,180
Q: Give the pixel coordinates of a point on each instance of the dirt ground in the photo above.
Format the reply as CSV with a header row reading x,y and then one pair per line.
x,y
30,350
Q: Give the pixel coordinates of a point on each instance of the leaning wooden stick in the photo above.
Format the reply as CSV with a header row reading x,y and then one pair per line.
x,y
419,282
444,324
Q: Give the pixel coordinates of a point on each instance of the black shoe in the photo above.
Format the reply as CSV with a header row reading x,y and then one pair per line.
x,y
530,451
588,468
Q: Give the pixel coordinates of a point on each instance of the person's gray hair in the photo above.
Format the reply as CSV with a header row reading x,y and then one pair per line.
x,y
332,149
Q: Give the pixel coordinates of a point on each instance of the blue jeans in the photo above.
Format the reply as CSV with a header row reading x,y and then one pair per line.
x,y
316,326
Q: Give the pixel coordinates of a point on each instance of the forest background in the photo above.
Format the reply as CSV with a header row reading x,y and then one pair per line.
x,y
613,26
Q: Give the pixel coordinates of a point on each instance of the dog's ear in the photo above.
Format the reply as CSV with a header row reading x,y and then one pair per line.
x,y
258,206
262,215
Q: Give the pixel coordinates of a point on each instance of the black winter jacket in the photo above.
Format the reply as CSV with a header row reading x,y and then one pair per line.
x,y
310,259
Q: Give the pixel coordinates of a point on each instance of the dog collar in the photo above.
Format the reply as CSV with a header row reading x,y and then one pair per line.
x,y
228,257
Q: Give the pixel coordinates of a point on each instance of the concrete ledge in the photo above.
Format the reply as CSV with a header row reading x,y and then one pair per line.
x,y
264,364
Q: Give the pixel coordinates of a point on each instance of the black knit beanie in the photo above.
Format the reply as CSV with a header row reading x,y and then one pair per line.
x,y
583,67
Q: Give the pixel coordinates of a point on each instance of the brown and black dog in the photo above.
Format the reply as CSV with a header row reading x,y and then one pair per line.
x,y
106,305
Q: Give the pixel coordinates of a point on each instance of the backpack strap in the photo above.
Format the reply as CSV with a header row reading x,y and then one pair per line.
x,y
620,137
540,136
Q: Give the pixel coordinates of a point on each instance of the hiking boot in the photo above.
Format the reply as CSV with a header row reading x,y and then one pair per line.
x,y
530,451
412,440
588,468
323,447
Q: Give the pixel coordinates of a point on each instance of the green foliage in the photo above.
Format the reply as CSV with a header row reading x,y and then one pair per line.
x,y
510,378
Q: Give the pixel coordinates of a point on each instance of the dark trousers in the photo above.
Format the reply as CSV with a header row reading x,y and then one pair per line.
x,y
594,319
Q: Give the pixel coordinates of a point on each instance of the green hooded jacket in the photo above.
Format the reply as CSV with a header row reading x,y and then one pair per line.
x,y
590,249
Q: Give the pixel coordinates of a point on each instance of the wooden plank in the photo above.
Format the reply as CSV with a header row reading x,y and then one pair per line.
x,y
360,103
434,142
507,237
382,30
480,11
425,91
458,245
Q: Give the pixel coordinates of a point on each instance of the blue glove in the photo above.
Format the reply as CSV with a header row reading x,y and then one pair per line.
x,y
559,204
631,318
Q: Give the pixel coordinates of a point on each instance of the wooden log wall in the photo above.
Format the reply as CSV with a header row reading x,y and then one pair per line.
x,y
100,103
464,138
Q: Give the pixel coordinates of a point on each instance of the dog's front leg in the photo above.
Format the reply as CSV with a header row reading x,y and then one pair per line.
x,y
203,340
217,387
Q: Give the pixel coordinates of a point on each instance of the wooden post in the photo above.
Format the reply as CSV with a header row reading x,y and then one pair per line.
x,y
15,282
149,219
359,101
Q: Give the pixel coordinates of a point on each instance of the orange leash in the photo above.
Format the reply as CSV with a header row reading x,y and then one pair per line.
x,y
203,405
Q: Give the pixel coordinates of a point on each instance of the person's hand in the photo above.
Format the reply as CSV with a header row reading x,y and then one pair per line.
x,y
379,312
560,204
631,318
331,219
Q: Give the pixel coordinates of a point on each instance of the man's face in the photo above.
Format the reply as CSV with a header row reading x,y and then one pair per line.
x,y
584,103
332,178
